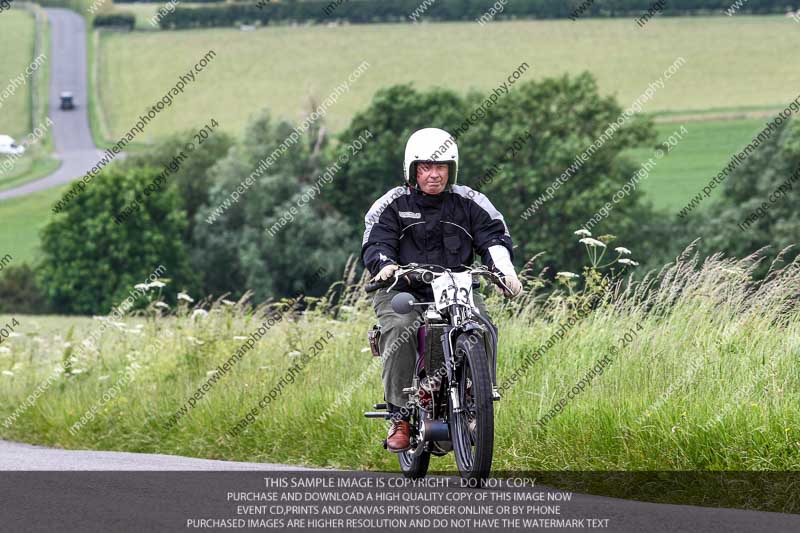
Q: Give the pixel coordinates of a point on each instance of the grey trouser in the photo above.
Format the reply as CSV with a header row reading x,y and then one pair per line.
x,y
398,343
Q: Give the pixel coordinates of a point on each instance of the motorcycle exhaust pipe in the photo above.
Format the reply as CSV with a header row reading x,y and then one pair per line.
x,y
434,430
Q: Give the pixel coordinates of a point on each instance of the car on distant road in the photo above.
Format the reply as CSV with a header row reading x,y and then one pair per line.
x,y
66,101
9,146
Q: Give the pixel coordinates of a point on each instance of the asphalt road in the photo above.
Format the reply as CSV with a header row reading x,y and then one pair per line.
x,y
145,492
72,139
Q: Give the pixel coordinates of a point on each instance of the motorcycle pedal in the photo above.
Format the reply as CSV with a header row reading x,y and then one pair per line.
x,y
385,446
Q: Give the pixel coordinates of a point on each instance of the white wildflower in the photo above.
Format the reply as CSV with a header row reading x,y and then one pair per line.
x,y
186,297
294,353
3,349
239,338
621,250
212,372
567,275
199,312
78,371
228,302
588,241
162,305
8,373
583,233
102,378
629,262
141,286
14,334
365,350
158,284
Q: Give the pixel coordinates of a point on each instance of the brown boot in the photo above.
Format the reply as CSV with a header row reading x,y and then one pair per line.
x,y
399,438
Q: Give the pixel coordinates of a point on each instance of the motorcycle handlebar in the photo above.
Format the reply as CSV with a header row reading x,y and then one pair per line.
x,y
426,276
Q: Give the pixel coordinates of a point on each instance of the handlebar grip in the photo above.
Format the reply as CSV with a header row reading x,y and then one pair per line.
x,y
375,285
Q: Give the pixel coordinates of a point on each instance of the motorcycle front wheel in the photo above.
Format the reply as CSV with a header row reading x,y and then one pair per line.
x,y
472,424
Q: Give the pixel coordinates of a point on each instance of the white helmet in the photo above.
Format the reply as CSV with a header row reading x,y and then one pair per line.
x,y
431,144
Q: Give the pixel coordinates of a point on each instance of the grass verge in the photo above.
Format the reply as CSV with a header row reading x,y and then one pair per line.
x,y
703,377
22,219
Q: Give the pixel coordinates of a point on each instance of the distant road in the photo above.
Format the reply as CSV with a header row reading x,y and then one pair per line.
x,y
51,499
71,135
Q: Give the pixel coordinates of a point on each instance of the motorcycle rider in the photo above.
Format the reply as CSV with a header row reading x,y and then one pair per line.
x,y
429,220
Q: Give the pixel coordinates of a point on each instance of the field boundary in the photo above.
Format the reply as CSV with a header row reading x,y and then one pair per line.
x,y
711,116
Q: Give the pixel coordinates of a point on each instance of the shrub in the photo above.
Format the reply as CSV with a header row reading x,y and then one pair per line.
x,y
20,292
115,19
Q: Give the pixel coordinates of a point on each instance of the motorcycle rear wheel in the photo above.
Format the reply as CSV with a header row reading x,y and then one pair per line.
x,y
414,466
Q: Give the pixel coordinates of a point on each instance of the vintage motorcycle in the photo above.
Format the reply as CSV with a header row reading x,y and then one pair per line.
x,y
451,399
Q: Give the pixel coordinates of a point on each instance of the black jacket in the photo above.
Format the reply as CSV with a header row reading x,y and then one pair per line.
x,y
408,226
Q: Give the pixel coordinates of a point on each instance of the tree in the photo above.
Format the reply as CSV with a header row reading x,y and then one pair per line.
x,y
237,250
757,204
91,263
557,119
186,170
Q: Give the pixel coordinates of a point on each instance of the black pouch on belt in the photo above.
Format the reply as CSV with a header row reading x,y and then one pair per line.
x,y
374,336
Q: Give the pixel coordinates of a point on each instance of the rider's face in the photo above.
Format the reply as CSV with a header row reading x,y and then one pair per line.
x,y
432,177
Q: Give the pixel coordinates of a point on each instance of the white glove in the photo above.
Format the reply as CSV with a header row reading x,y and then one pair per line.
x,y
385,273
502,261
513,284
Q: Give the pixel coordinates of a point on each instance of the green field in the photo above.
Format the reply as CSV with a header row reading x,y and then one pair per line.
x,y
738,62
696,158
714,347
22,218
17,32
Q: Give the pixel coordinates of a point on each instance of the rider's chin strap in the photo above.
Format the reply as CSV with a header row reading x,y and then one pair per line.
x,y
502,259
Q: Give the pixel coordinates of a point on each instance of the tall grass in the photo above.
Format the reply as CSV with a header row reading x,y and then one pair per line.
x,y
709,380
